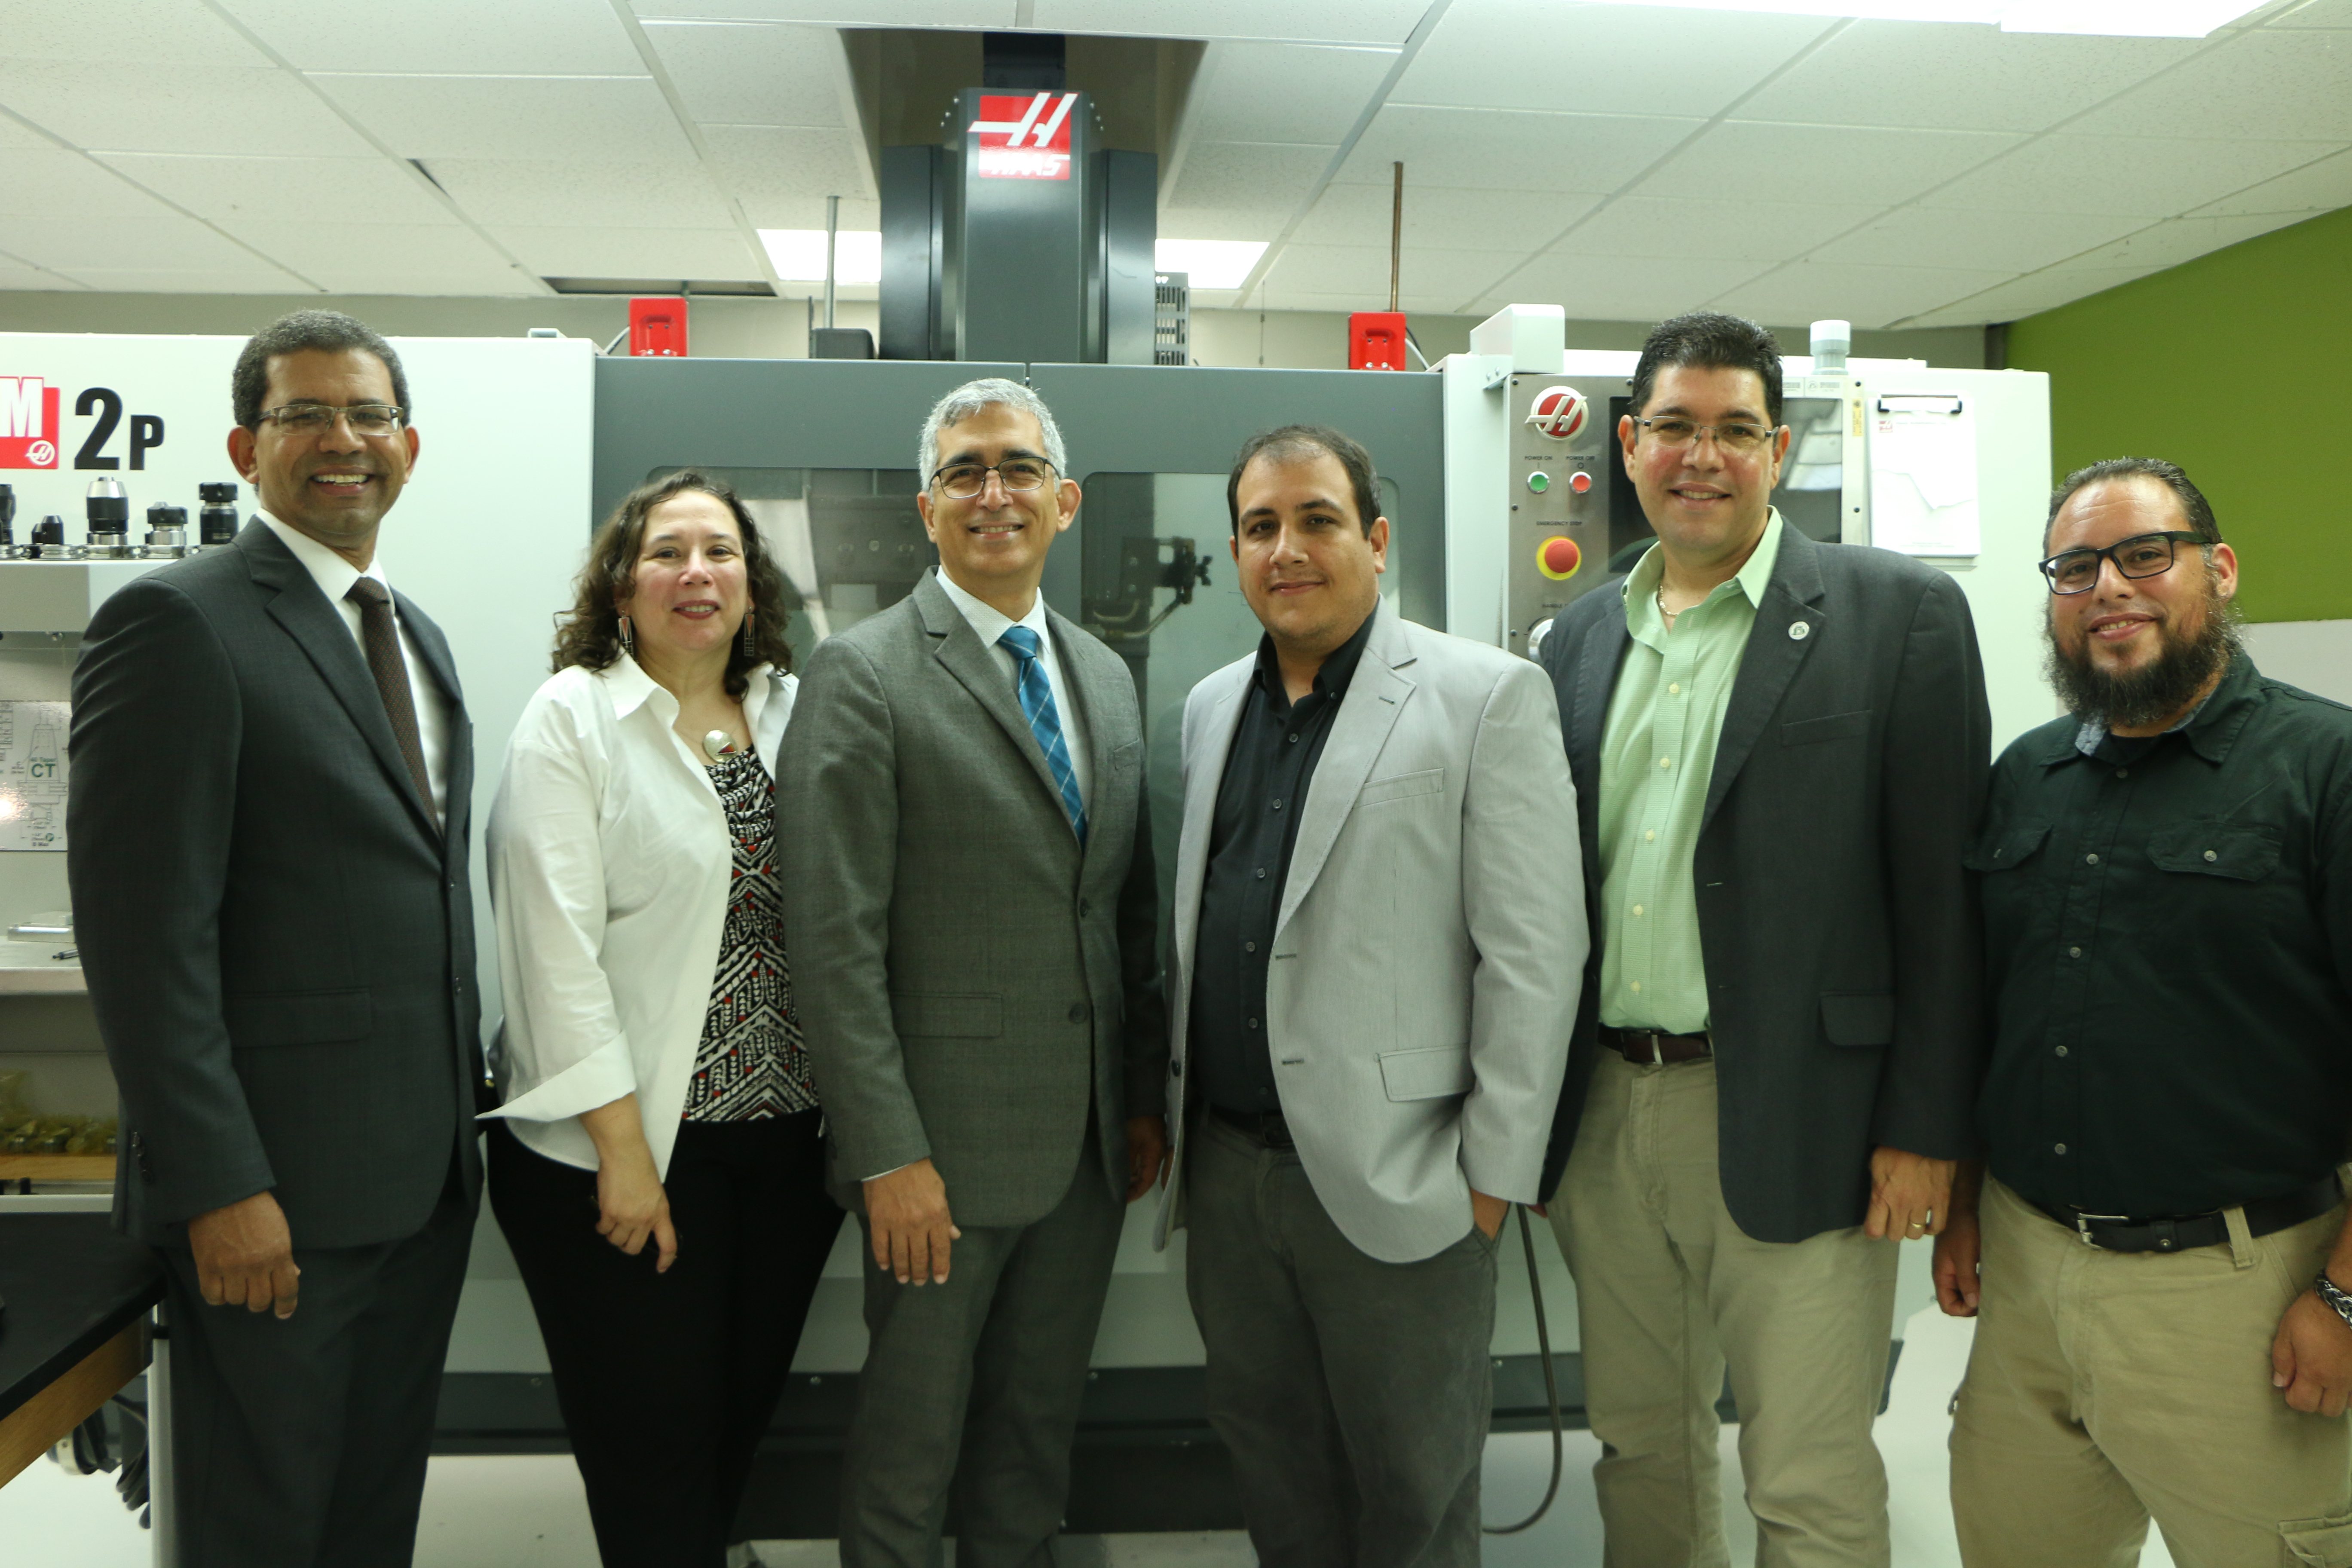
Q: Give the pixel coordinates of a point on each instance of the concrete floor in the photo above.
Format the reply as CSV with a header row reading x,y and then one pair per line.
x,y
528,1512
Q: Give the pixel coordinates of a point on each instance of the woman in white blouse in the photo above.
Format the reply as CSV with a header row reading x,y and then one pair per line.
x,y
655,1165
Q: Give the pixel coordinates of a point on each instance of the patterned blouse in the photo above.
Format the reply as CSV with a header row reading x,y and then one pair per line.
x,y
750,1063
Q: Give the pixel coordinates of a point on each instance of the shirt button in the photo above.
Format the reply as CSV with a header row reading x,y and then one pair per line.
x,y
1278,805
1650,835
1674,688
2122,772
2074,952
1665,761
2058,1148
2090,860
1637,911
1294,739
2061,1051
2211,856
1637,985
1261,873
1249,947
1253,1023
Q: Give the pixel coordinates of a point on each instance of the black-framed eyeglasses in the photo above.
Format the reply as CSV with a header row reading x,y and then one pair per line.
x,y
2141,555
1674,433
313,418
963,482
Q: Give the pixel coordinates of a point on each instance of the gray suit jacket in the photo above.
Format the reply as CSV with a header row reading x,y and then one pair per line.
x,y
1844,956
1429,946
970,982
279,942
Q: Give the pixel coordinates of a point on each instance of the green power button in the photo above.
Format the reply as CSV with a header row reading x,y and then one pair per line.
x,y
1538,482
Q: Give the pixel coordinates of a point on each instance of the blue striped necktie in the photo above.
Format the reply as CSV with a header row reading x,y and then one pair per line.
x,y
1044,723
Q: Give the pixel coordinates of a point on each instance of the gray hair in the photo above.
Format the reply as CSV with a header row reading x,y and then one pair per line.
x,y
986,392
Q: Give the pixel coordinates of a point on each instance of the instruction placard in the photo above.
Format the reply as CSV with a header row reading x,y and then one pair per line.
x,y
33,774
1922,475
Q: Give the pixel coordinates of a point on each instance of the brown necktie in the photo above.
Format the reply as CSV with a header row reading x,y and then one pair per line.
x,y
381,637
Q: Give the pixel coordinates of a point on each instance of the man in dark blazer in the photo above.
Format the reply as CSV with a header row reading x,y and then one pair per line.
x,y
970,906
268,821
1779,750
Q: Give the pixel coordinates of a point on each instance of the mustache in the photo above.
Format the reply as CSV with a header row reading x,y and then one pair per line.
x,y
2160,687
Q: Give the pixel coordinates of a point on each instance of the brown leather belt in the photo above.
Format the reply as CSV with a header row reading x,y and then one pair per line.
x,y
1646,1047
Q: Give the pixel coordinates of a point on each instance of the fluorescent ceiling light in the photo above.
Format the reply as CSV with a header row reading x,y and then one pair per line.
x,y
1208,263
798,255
2110,18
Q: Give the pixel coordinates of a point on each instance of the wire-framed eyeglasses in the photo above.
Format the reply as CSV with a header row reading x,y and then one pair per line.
x,y
311,418
963,482
1672,432
2141,555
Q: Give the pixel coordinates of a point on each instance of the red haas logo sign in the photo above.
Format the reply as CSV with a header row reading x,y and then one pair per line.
x,y
1023,138
1558,412
28,423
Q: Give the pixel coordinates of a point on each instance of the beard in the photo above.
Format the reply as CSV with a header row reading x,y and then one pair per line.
x,y
2156,690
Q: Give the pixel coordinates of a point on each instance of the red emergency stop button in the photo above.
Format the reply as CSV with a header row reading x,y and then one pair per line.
x,y
1580,482
1557,558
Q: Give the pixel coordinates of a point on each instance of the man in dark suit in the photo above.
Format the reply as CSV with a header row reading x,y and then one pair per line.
x,y
267,820
970,906
1779,750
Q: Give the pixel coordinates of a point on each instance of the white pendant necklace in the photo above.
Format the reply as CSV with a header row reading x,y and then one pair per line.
x,y
717,745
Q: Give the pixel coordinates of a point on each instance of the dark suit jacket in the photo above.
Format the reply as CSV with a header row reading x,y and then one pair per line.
x,y
970,982
1843,965
279,944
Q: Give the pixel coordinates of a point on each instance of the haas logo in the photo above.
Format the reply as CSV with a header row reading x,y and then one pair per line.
x,y
1558,412
1024,137
28,423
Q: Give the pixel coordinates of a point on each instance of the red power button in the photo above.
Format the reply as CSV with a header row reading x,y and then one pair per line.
x,y
1580,482
1557,558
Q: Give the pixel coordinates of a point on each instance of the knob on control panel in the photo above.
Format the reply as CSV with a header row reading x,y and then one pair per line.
x,y
1580,482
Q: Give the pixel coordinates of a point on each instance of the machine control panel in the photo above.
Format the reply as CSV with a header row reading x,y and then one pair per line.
x,y
1561,476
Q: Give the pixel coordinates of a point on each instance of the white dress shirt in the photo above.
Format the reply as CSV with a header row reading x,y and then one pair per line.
x,y
609,861
990,622
335,577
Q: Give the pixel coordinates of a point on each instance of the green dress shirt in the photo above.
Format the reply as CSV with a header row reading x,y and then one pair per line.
x,y
1657,759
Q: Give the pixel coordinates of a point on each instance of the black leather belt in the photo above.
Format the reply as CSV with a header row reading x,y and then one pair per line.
x,y
1265,1127
2123,1233
1645,1047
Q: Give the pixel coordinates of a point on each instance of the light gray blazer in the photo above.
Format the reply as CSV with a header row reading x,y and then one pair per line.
x,y
1431,941
970,982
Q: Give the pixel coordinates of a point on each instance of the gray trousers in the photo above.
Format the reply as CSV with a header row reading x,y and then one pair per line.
x,y
302,1443
988,1370
1355,1395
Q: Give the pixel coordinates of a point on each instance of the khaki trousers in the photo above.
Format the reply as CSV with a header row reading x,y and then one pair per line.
x,y
1670,1292
2105,1387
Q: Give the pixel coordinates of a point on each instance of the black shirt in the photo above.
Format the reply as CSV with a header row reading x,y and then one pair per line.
x,y
2168,941
1276,744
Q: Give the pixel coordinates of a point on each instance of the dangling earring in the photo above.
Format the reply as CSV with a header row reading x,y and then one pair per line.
x,y
628,637
748,650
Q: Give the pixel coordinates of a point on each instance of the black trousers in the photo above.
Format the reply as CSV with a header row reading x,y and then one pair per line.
x,y
303,1443
667,1381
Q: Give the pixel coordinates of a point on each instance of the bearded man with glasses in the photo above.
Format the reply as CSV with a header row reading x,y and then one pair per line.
x,y
2168,908
1778,749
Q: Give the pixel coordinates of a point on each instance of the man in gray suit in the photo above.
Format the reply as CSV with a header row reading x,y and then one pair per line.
x,y
1779,753
972,913
1379,932
271,766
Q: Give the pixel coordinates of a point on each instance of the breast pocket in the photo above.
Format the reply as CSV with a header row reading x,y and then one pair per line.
x,y
1829,727
2241,852
2006,847
1402,786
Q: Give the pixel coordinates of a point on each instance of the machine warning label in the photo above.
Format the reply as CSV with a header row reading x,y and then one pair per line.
x,y
33,772
28,423
1020,137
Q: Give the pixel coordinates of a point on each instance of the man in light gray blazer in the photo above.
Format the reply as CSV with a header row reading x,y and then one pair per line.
x,y
971,914
1379,934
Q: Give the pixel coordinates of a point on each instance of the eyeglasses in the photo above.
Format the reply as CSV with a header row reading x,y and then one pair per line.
x,y
2141,555
316,418
963,482
1678,432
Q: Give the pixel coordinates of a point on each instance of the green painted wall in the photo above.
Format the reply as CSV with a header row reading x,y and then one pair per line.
x,y
2235,366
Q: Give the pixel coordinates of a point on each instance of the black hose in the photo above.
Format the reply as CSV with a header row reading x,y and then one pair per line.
x,y
1551,1386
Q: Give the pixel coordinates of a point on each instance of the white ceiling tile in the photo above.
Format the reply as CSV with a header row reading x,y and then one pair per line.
x,y
808,212
1712,230
517,38
1362,272
316,250
1622,288
12,276
1823,162
2028,296
2275,86
1869,297
293,190
35,181
542,194
72,243
841,13
1438,215
1514,150
767,167
2128,176
1220,223
473,282
1362,22
2316,188
255,279
2181,239
561,119
13,134
1283,93
753,73
689,253
1603,60
1249,176
1959,76
181,32
1974,241
134,108
2316,13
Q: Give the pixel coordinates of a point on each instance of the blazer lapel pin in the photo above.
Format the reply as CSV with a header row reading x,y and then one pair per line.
x,y
1799,630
